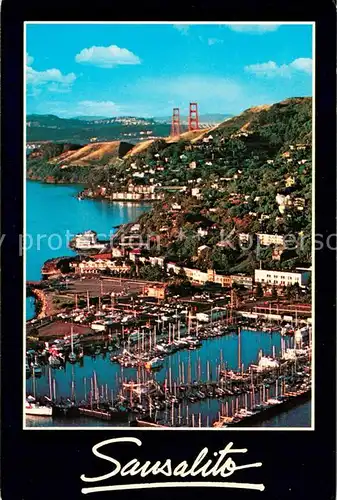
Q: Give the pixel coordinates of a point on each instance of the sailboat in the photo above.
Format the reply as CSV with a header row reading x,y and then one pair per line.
x,y
32,408
72,356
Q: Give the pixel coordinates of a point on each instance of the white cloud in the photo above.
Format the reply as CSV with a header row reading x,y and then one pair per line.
x,y
271,69
302,64
183,28
52,78
253,28
29,59
213,41
106,57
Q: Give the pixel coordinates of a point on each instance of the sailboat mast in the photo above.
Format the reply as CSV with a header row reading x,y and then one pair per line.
x,y
239,348
50,383
72,383
72,340
54,389
34,384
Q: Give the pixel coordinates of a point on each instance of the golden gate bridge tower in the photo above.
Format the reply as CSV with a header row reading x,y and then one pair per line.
x,y
193,117
175,127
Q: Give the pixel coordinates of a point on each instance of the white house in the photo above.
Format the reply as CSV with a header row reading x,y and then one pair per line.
x,y
281,278
202,249
86,240
270,239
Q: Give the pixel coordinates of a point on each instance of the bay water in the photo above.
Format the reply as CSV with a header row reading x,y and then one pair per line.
x,y
53,214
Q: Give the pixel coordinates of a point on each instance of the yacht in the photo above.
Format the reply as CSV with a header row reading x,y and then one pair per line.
x,y
38,410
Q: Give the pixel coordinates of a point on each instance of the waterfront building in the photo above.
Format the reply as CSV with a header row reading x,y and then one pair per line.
x,y
282,278
201,277
87,240
242,279
98,265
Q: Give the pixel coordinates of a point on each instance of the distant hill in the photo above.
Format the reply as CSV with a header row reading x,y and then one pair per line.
x,y
81,131
88,118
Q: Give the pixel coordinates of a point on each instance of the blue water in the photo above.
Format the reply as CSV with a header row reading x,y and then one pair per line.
x,y
300,416
30,308
111,375
54,215
211,350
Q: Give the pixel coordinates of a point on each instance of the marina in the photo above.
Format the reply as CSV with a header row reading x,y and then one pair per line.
x,y
187,389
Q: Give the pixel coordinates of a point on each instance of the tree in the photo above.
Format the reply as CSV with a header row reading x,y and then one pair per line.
x,y
151,273
182,275
274,293
259,291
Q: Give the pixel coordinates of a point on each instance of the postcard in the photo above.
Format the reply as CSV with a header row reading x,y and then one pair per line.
x,y
170,285
169,247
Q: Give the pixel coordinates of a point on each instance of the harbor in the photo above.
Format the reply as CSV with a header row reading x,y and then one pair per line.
x,y
203,386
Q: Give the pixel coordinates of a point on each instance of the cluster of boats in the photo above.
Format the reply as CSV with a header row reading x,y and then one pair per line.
x,y
153,359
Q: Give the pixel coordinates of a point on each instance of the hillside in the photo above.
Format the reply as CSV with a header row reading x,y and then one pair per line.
x,y
250,174
93,154
192,136
289,120
262,131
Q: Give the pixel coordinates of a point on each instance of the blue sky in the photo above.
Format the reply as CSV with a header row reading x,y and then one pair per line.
x,y
146,70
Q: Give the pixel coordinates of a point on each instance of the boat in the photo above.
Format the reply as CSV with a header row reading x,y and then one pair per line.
x,y
72,356
38,410
154,363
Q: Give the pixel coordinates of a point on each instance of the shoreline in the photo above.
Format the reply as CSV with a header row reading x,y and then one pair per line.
x,y
80,196
43,307
37,302
53,183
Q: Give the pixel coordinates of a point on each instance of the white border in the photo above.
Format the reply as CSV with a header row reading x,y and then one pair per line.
x,y
123,428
